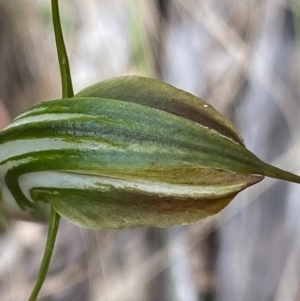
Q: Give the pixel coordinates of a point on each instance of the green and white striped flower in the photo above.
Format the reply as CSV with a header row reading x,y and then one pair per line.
x,y
127,152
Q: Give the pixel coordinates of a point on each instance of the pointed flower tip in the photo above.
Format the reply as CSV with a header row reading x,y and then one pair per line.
x,y
277,173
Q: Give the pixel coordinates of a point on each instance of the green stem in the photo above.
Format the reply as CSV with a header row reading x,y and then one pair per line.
x,y
66,80
67,91
52,232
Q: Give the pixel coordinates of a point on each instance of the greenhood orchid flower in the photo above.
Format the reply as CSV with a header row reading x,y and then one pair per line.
x,y
127,152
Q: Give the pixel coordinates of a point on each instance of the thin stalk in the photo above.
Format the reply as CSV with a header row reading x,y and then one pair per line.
x,y
67,91
52,232
66,80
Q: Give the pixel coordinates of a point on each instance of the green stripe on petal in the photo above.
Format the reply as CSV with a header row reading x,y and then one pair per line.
x,y
131,151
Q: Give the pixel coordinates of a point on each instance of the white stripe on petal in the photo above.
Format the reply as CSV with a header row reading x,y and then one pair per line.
x,y
65,180
44,117
20,147
8,198
30,111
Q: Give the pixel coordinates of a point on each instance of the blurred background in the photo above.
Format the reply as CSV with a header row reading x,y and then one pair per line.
x,y
240,56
